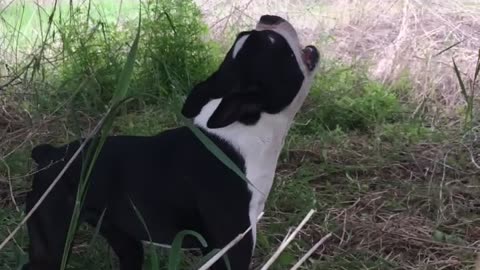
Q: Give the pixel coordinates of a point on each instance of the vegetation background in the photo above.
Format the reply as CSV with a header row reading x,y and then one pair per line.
x,y
385,148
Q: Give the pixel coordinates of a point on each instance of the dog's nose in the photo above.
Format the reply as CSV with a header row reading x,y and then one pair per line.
x,y
271,19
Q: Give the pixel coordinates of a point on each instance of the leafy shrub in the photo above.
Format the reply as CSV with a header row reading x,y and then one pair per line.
x,y
173,54
346,99
93,54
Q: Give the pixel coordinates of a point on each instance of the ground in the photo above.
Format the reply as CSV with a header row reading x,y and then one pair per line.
x,y
385,148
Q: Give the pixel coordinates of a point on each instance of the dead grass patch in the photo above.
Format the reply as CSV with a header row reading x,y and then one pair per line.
x,y
392,38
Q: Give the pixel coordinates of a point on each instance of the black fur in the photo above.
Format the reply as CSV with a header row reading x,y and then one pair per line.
x,y
171,178
263,77
173,181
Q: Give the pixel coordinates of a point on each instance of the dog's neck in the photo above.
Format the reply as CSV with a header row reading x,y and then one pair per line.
x,y
259,144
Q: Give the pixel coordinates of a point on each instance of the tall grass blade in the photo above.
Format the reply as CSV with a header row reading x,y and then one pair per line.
x,y
449,47
477,68
460,80
95,131
49,26
175,255
89,8
52,185
215,150
125,76
87,168
468,98
118,98
154,258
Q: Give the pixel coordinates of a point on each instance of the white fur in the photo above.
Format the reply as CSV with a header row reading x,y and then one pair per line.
x,y
239,45
272,40
260,144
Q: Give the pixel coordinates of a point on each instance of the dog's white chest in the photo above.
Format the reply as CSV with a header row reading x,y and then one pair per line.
x,y
260,147
259,144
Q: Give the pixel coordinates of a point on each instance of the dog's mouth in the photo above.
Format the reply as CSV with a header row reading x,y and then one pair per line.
x,y
309,54
310,57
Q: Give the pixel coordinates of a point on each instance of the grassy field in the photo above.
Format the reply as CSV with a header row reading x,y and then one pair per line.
x,y
385,147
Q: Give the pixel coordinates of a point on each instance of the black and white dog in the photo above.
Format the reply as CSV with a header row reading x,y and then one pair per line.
x,y
246,107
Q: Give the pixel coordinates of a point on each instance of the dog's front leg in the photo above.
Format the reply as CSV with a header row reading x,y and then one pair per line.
x,y
239,256
223,227
47,230
128,250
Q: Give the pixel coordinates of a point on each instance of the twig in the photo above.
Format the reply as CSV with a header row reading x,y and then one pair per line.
x,y
10,186
448,48
224,250
287,241
52,185
310,252
433,242
477,262
16,243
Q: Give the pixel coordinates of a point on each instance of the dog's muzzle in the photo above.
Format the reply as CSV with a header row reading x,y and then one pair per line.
x,y
310,55
271,20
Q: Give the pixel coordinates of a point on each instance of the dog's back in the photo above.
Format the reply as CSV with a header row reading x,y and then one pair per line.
x,y
171,182
171,179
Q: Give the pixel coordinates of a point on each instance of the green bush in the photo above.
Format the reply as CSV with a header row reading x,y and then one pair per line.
x,y
173,54
93,57
346,99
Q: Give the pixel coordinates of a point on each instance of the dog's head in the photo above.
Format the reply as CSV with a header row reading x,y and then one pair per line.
x,y
265,71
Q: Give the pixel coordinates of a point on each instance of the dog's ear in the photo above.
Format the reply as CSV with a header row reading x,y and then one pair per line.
x,y
198,97
216,86
202,93
244,107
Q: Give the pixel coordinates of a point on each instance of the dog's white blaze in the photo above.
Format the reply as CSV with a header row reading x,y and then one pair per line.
x,y
239,45
261,144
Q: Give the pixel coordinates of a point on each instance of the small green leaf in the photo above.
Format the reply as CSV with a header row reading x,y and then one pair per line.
x,y
126,74
438,236
97,143
176,250
286,259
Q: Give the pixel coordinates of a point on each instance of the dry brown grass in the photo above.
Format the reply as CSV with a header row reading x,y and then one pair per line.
x,y
393,38
414,207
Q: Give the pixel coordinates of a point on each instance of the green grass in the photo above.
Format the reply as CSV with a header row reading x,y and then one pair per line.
x,y
396,191
25,22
